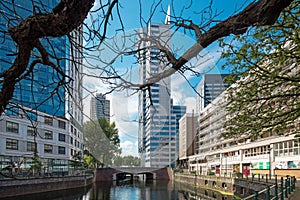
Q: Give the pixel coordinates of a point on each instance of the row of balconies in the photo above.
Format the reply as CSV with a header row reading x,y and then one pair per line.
x,y
238,158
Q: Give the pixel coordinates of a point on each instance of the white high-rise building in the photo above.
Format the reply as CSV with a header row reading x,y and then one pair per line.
x,y
157,127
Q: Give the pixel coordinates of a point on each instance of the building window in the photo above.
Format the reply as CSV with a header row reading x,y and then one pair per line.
x,y
12,127
61,150
61,124
48,148
71,141
61,137
30,146
48,121
30,131
48,135
11,144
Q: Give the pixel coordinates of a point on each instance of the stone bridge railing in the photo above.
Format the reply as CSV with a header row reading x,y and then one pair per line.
x,y
107,174
137,170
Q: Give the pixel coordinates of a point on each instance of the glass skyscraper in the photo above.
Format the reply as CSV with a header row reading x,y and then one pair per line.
x,y
38,91
54,110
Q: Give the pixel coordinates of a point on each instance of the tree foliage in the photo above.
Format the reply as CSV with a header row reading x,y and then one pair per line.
x,y
126,161
102,140
266,99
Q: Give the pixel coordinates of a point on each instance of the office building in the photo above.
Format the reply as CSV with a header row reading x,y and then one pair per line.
x,y
45,113
33,90
157,114
209,88
99,107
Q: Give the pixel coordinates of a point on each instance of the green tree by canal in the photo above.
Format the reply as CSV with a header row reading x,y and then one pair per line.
x,y
102,140
266,100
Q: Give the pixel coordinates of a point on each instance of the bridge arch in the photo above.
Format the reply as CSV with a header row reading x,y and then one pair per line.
x,y
143,176
147,175
106,174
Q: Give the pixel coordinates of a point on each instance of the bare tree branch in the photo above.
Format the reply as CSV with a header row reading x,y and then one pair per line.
x,y
260,13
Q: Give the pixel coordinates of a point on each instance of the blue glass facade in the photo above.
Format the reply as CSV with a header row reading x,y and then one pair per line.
x,y
38,91
178,111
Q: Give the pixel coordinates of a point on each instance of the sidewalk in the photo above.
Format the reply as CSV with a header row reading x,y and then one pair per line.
x,y
296,194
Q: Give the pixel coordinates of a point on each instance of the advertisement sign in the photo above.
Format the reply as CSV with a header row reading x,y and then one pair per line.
x,y
260,165
287,164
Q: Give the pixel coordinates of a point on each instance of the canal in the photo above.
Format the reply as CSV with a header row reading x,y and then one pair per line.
x,y
153,190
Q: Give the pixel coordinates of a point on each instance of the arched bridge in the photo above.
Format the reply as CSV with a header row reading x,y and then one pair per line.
x,y
106,174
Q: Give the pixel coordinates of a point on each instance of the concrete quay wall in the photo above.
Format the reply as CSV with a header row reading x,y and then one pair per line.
x,y
16,187
222,184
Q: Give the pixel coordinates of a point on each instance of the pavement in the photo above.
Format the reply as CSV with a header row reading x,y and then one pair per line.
x,y
295,195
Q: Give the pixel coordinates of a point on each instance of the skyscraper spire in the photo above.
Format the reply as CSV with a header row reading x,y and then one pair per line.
x,y
168,16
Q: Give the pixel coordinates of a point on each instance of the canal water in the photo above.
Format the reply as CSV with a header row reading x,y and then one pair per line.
x,y
154,190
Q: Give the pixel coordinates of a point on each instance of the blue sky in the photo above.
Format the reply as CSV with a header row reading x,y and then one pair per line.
x,y
124,104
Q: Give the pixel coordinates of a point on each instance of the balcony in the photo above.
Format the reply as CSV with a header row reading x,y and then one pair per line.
x,y
231,159
256,157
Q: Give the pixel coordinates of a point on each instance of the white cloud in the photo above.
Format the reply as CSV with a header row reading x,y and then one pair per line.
x,y
124,112
190,103
128,148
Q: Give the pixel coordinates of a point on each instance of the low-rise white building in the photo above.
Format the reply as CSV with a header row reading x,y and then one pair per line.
x,y
56,139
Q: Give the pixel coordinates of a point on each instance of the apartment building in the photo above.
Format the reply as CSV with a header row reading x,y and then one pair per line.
x,y
216,155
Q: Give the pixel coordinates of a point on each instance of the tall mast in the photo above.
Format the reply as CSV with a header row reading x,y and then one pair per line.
x,y
168,16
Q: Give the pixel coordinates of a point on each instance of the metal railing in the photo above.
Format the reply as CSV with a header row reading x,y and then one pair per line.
x,y
282,190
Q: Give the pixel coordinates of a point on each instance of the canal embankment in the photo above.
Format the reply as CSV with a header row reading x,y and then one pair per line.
x,y
244,187
221,184
16,187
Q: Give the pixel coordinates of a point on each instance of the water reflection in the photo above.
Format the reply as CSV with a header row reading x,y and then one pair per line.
x,y
154,190
137,190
